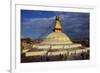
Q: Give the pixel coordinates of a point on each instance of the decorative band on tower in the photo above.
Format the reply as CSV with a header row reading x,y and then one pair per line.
x,y
57,27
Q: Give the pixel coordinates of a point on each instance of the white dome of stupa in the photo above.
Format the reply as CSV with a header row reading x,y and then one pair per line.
x,y
57,38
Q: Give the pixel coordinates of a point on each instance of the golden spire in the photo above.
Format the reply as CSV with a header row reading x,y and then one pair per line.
x,y
57,25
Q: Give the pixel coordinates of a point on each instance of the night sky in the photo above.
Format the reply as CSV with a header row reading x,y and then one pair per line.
x,y
38,24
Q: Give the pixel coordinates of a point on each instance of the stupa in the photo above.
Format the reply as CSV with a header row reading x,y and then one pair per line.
x,y
57,39
56,43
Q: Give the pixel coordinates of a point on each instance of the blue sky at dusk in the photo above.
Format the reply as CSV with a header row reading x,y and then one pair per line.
x,y
38,24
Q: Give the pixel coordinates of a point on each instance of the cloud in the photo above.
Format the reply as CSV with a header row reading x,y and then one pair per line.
x,y
71,24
